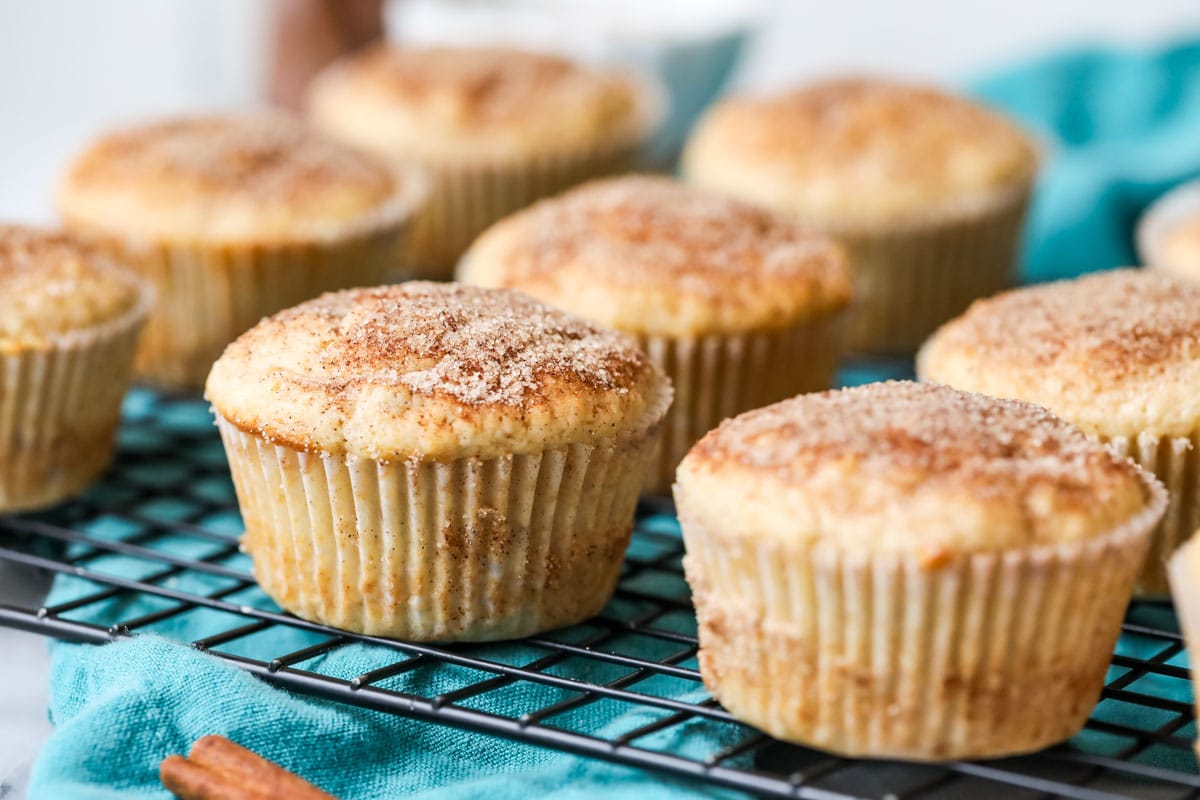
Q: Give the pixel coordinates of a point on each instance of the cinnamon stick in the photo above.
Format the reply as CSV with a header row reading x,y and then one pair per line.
x,y
218,769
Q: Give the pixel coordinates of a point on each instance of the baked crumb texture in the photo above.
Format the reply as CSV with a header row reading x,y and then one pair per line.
x,y
233,218
434,461
1116,353
905,570
67,338
485,104
259,178
1168,232
434,371
652,256
927,191
54,286
496,129
740,307
859,152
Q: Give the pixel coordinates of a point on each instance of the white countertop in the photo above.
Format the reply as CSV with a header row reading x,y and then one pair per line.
x,y
24,674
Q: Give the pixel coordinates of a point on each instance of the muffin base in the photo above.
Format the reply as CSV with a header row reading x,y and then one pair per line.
x,y
990,654
1175,460
909,279
208,294
466,198
59,411
721,375
471,549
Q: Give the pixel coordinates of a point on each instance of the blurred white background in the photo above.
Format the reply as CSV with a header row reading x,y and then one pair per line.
x,y
70,68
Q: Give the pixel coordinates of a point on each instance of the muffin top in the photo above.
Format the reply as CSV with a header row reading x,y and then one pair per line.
x,y
855,151
434,370
262,177
1116,353
1178,251
653,256
446,104
54,286
908,468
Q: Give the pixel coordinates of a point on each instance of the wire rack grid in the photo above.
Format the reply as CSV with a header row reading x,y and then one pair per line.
x,y
153,548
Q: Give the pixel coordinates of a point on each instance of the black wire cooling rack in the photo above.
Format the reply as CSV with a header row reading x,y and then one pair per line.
x,y
154,545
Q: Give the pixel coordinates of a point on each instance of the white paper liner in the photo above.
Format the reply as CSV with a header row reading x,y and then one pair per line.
x,y
466,198
209,294
721,375
470,549
988,655
1175,460
911,278
59,410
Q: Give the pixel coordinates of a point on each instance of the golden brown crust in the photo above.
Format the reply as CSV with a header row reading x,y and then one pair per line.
x,y
1179,250
485,85
455,103
257,177
931,430
437,370
854,151
54,284
916,468
649,255
1117,352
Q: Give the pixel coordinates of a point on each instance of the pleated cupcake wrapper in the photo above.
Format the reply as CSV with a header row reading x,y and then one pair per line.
x,y
1176,206
468,549
1176,462
721,375
209,294
59,410
466,198
910,279
1183,569
989,654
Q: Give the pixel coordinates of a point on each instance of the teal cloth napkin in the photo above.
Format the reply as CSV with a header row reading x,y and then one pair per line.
x,y
1118,128
119,709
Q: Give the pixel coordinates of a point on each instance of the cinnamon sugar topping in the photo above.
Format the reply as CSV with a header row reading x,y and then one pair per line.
x,y
855,149
53,284
904,432
434,370
271,157
1118,322
650,255
655,231
475,346
482,84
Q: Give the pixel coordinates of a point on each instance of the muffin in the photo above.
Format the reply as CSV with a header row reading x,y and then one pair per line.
x,y
1116,353
68,332
495,128
1183,569
904,570
927,191
740,307
437,462
233,218
1168,234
